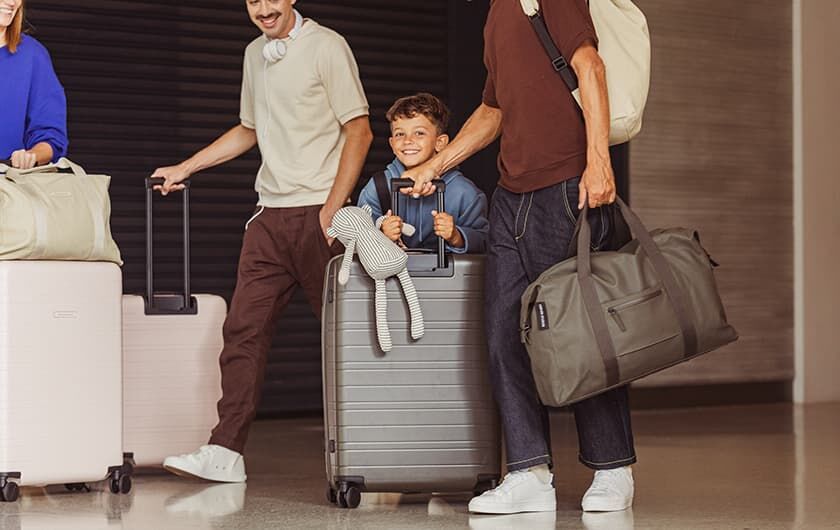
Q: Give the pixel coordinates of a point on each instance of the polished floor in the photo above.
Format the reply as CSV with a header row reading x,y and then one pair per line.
x,y
756,467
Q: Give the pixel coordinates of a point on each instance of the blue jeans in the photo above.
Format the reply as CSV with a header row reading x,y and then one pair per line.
x,y
529,233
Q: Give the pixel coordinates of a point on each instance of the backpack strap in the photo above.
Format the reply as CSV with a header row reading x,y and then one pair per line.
x,y
382,192
558,62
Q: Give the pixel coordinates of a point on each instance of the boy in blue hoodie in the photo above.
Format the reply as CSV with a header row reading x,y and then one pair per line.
x,y
418,132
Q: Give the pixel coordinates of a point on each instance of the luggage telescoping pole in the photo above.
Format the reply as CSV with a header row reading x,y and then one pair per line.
x,y
168,304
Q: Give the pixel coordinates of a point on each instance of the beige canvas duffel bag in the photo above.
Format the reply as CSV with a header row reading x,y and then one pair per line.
x,y
55,212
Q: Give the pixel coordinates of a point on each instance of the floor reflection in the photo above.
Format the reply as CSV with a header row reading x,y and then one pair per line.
x,y
769,466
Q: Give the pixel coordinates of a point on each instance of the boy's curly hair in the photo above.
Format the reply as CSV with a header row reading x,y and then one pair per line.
x,y
424,104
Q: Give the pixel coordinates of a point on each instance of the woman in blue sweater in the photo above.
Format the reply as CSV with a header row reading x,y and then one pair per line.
x,y
33,114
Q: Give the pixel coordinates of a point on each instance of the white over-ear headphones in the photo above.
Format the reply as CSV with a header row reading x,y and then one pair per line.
x,y
275,49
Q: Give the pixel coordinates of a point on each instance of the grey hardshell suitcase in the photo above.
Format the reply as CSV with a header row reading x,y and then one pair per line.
x,y
420,418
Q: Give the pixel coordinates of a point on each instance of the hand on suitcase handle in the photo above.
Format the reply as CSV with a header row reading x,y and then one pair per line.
x,y
174,178
406,185
153,183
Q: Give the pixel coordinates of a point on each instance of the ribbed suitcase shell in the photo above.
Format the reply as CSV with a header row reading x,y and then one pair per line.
x,y
60,371
420,418
171,377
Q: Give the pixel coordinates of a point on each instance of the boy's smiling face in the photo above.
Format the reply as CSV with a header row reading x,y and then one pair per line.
x,y
415,140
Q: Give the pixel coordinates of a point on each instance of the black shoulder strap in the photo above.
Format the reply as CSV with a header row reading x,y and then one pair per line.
x,y
558,62
381,183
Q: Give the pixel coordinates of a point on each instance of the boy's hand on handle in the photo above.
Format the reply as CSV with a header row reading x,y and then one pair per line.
x,y
422,175
23,159
172,177
445,228
392,226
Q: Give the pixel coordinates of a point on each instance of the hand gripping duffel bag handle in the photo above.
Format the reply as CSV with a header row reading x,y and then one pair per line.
x,y
590,295
62,163
168,305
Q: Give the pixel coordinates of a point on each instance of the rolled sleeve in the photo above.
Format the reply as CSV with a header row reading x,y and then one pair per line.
x,y
570,25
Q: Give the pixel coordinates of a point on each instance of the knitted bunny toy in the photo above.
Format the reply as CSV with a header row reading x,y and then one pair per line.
x,y
381,259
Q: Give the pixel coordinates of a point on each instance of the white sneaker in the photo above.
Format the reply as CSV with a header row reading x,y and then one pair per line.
x,y
611,491
210,462
520,491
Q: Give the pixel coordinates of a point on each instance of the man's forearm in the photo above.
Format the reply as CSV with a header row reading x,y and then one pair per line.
x,y
595,103
356,146
483,126
228,146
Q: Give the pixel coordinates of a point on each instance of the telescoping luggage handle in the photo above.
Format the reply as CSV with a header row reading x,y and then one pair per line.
x,y
168,303
440,185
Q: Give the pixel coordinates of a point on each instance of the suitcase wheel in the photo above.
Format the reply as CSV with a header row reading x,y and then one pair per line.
x,y
120,483
349,496
9,492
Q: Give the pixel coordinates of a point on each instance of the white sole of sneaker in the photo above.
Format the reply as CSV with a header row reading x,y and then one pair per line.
x,y
522,507
596,506
187,474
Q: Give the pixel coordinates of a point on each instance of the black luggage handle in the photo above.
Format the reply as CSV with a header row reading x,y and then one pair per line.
x,y
168,303
440,185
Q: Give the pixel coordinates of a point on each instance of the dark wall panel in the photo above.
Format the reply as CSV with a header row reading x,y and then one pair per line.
x,y
148,82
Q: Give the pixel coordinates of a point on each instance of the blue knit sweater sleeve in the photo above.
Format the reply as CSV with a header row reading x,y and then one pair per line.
x,y
471,221
46,116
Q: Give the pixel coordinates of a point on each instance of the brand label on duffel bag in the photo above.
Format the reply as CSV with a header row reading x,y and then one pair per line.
x,y
542,315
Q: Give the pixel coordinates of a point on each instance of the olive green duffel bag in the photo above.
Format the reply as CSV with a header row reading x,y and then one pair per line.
x,y
600,320
55,212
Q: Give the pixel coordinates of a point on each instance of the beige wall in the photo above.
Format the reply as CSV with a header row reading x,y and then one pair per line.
x,y
716,154
818,178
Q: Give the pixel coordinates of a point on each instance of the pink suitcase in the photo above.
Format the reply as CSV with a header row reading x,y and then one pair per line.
x,y
171,363
60,375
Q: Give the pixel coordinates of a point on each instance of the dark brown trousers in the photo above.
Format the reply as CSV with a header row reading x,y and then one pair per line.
x,y
283,248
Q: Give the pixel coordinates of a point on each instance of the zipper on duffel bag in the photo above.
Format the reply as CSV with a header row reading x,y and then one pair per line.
x,y
616,309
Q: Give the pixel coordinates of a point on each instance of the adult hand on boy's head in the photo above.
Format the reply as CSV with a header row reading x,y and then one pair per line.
x,y
422,175
392,226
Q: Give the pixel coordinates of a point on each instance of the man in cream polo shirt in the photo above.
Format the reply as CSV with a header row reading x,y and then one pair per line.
x,y
302,103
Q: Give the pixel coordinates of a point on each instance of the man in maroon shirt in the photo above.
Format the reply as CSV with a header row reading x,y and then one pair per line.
x,y
554,159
